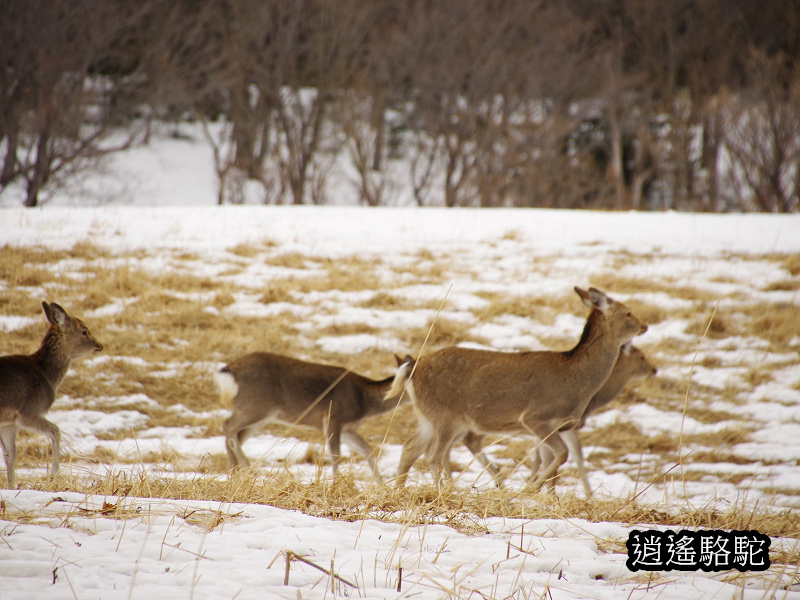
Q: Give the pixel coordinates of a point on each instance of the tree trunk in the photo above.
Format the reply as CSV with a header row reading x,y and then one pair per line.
x,y
10,162
616,166
41,171
378,124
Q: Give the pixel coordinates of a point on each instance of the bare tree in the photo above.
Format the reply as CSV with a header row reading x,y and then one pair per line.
x,y
76,72
329,55
53,120
624,104
762,136
365,142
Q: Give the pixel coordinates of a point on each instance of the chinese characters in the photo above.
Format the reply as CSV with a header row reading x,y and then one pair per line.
x,y
692,550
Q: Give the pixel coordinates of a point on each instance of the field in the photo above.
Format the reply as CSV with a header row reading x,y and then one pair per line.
x,y
710,442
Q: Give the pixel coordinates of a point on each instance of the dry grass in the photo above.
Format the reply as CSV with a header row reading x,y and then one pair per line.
x,y
787,285
348,500
790,262
715,325
251,250
386,301
542,309
612,283
777,323
281,290
175,326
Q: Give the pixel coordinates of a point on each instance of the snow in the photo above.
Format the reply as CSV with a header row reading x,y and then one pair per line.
x,y
71,545
342,231
12,323
64,545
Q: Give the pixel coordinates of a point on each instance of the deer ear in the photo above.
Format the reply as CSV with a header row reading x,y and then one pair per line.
x,y
599,300
54,313
594,298
584,296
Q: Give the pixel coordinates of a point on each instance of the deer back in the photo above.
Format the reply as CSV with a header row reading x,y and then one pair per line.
x,y
275,387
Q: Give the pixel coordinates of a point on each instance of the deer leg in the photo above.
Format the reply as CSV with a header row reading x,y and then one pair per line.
x,y
439,451
474,442
8,435
535,459
573,441
235,435
360,445
412,450
448,467
558,456
41,425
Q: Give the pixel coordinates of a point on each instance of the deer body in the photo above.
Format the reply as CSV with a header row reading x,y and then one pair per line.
x,y
28,383
631,364
458,390
266,387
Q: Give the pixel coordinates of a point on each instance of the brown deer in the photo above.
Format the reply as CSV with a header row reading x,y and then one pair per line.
x,y
28,384
458,390
631,364
267,387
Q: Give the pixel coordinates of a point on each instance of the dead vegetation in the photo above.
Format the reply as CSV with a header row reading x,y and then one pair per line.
x,y
347,499
167,326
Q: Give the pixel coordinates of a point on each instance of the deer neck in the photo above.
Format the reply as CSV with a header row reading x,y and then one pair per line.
x,y
596,352
52,358
610,390
594,332
612,387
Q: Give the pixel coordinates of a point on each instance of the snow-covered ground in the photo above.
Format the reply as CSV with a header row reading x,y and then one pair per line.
x,y
70,549
68,545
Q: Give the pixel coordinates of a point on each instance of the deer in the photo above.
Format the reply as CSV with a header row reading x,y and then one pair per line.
x,y
631,364
459,390
29,383
271,388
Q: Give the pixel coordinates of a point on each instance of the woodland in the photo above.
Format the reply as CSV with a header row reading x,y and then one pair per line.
x,y
688,105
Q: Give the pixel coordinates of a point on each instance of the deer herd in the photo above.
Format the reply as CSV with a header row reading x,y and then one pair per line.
x,y
458,395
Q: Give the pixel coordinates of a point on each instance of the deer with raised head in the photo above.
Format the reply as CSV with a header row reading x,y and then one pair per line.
x,y
631,364
28,384
266,387
458,390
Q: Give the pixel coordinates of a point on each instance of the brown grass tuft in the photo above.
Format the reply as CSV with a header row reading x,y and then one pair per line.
x,y
791,263
543,310
777,323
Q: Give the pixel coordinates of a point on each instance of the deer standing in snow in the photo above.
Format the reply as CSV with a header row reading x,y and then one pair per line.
x,y
28,384
266,387
458,390
631,364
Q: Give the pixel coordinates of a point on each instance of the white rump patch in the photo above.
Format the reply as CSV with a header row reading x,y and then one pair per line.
x,y
228,388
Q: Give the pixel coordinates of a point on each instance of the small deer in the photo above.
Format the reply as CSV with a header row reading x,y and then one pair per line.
x,y
458,390
28,384
266,387
631,364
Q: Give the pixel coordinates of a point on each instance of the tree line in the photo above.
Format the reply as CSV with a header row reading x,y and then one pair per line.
x,y
606,104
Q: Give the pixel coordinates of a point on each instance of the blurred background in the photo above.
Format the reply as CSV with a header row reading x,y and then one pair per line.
x,y
690,105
